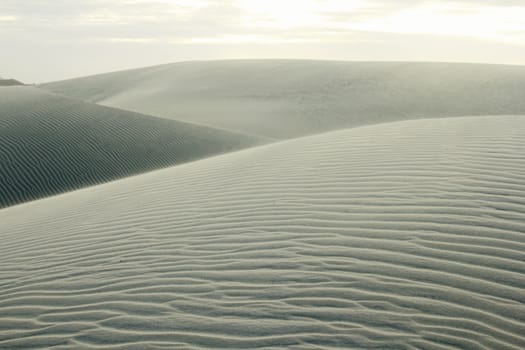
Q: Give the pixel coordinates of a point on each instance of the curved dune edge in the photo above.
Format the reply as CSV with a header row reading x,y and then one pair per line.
x,y
51,144
284,99
406,235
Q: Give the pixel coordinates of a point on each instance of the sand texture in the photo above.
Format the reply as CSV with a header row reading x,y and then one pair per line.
x,y
51,144
286,98
404,235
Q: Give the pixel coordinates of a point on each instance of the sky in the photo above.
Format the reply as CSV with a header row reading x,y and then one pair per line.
x,y
48,40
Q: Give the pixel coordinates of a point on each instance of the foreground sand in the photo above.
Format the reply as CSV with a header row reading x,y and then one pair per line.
x,y
290,98
409,235
52,144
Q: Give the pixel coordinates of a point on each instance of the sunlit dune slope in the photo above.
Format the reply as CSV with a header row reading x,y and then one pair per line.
x,y
408,235
290,98
51,144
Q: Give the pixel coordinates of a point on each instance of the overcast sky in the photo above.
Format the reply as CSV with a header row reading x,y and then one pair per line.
x,y
45,40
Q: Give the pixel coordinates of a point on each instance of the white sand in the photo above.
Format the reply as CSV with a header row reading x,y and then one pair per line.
x,y
409,235
287,98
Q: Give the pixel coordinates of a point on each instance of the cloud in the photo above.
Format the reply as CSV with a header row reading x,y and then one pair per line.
x,y
111,29
132,40
489,20
8,18
201,20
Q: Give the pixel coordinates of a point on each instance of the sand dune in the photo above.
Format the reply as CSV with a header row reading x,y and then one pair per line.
x,y
408,235
10,82
287,98
51,144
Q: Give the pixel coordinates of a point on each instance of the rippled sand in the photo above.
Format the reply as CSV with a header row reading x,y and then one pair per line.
x,y
408,235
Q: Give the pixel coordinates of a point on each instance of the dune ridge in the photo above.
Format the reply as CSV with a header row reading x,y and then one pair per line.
x,y
290,98
406,235
10,82
51,144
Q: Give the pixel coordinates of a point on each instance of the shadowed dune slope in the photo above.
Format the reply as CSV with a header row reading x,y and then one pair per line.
x,y
409,235
289,98
51,144
10,82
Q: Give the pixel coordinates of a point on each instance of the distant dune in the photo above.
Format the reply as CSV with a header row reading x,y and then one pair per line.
x,y
51,144
408,235
287,98
10,82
